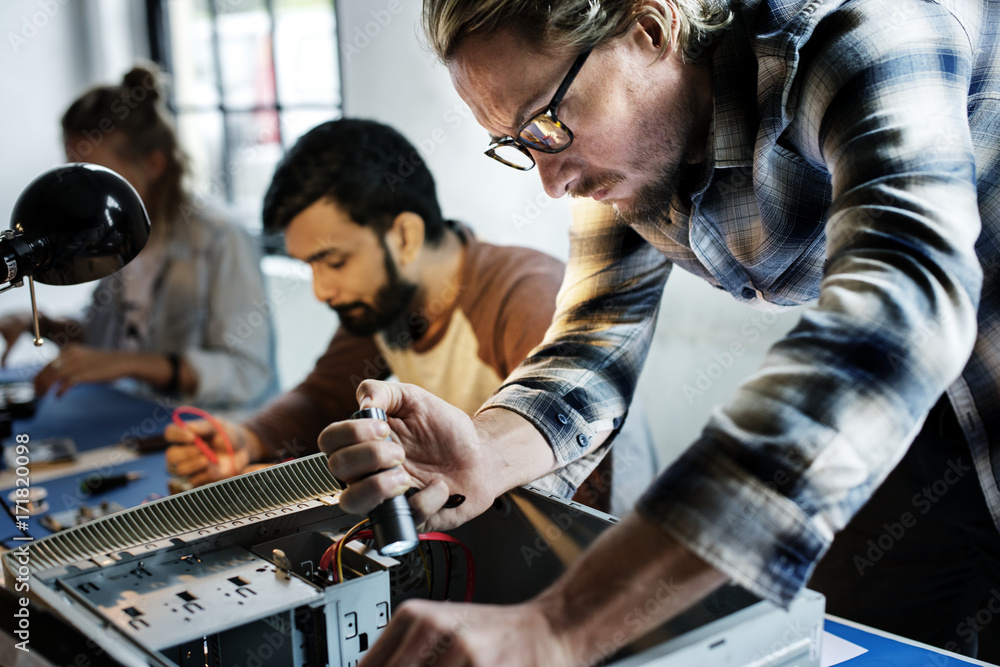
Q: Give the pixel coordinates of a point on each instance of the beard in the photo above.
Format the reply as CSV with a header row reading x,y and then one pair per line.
x,y
667,151
389,312
652,201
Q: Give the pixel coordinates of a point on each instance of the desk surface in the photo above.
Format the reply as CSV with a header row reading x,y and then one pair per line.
x,y
888,650
69,488
95,415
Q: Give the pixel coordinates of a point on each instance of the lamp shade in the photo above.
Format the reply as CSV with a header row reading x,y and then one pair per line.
x,y
73,224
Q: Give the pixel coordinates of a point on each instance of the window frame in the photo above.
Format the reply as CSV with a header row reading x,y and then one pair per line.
x,y
158,29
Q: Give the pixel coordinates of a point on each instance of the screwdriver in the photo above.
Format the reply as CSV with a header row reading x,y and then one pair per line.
x,y
100,483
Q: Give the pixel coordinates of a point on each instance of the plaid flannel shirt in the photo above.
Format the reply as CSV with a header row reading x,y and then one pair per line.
x,y
854,157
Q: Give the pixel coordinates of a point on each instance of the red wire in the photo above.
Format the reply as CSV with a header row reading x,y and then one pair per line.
x,y
201,444
324,561
470,565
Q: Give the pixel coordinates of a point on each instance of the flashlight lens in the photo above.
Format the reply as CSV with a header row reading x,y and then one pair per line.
x,y
398,548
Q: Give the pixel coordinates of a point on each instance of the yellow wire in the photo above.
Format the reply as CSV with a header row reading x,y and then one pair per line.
x,y
340,549
420,550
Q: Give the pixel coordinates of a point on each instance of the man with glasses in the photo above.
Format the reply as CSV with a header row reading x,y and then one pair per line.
x,y
843,154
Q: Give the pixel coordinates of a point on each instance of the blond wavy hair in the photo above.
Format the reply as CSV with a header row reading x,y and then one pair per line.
x,y
575,25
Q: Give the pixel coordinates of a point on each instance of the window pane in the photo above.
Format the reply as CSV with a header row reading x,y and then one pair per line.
x,y
297,122
256,151
190,30
245,54
201,135
228,85
306,52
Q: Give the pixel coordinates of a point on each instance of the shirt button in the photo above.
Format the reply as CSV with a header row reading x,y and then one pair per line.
x,y
563,419
749,293
583,440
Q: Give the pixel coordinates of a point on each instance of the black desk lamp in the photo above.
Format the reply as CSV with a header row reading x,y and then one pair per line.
x,y
72,224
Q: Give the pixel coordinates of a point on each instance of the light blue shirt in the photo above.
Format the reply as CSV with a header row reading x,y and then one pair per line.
x,y
208,305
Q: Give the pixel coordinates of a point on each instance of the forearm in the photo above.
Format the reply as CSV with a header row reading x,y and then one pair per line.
x,y
577,385
60,330
157,370
521,452
591,607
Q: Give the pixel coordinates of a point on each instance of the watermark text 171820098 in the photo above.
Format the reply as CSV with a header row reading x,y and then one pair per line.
x,y
21,498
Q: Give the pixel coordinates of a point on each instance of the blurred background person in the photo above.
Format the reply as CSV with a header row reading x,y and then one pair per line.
x,y
179,320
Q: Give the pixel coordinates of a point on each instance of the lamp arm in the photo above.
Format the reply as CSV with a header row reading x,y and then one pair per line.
x,y
34,312
20,256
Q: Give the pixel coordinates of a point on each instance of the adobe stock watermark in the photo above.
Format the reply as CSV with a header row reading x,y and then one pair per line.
x,y
126,103
260,313
785,474
32,24
923,501
638,619
706,377
453,117
76,500
362,36
266,650
103,298
794,632
970,628
553,531
532,211
220,180
623,461
431,652
148,426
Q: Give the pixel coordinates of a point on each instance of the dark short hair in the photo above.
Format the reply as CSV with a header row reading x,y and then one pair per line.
x,y
367,168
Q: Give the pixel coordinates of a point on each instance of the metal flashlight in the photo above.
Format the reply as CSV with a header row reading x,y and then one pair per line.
x,y
391,522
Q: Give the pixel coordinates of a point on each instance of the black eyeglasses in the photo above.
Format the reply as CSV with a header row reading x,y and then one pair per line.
x,y
543,132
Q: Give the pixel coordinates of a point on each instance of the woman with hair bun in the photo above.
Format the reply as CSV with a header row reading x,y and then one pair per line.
x,y
188,318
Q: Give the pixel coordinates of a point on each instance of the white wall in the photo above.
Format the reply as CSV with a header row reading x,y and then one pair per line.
x,y
48,56
43,57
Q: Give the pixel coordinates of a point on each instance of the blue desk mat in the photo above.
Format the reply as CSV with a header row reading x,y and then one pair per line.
x,y
25,373
94,415
887,652
65,493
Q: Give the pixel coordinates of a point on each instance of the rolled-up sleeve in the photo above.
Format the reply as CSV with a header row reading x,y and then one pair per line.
x,y
579,381
799,449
